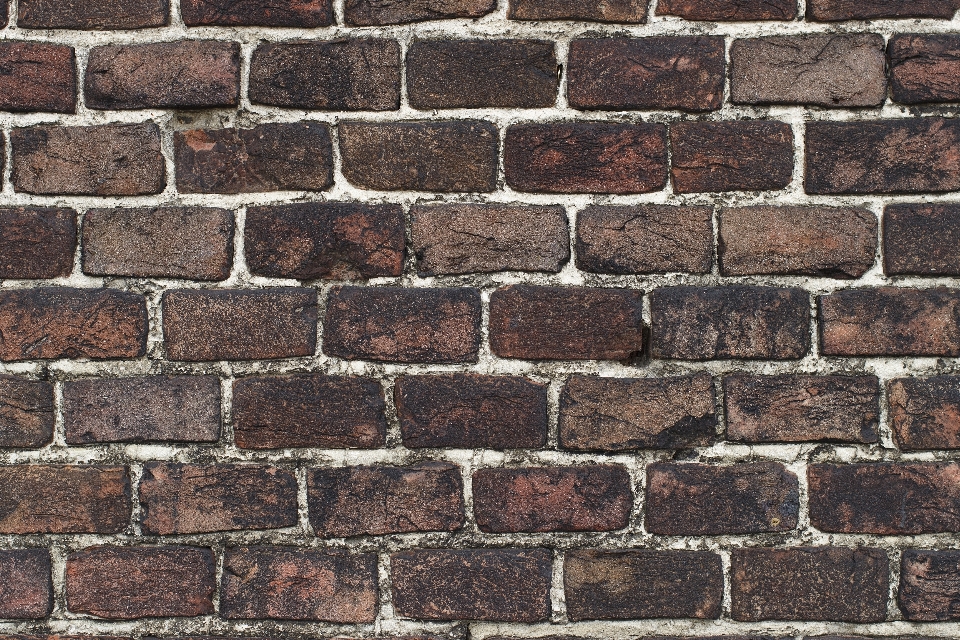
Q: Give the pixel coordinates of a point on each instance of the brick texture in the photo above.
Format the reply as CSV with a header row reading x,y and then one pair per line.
x,y
722,10
927,591
26,413
26,590
918,239
925,412
854,10
629,11
37,242
363,13
924,68
92,14
38,77
269,13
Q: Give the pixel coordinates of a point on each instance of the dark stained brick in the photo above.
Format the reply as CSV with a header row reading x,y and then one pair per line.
x,y
92,14
305,14
924,68
921,239
26,591
628,11
26,413
928,585
828,10
364,13
37,76
37,242
724,10
925,412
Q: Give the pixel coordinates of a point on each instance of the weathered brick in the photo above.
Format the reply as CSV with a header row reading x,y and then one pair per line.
x,y
632,584
26,413
810,583
724,10
629,11
733,322
420,156
92,14
356,501
802,408
924,68
304,14
308,411
742,155
340,75
586,157
142,409
37,242
685,73
125,583
510,585
37,76
168,242
928,585
337,240
26,591
392,324
64,499
365,13
921,239
287,583
468,411
101,160
885,498
925,412
240,325
828,10
53,322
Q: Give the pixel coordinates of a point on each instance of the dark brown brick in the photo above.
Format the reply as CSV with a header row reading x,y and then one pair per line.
x,y
356,501
92,14
586,157
928,585
733,322
645,239
125,583
510,585
26,591
925,412
799,408
102,160
53,322
392,324
420,156
304,14
339,75
37,242
142,409
629,11
451,74
240,325
685,73
335,240
64,499
468,411
724,10
365,13
174,242
816,241
308,411
828,10
629,584
37,76
921,239
287,583
731,156
924,68
26,413
703,499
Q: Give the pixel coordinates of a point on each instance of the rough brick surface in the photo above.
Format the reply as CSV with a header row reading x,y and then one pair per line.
x,y
924,68
363,13
921,239
26,591
629,11
856,10
925,412
723,10
37,242
269,13
26,412
37,77
92,14
928,585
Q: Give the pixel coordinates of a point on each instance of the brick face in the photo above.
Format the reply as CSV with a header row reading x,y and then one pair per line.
x,y
927,582
93,14
924,68
269,13
370,13
26,590
629,11
829,10
921,239
721,10
26,413
37,242
925,412
38,77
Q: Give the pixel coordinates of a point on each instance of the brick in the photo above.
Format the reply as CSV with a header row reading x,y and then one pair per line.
x,y
733,322
59,322
508,585
924,68
587,498
26,413
810,583
723,10
101,160
830,70
885,498
703,499
586,157
142,409
467,74
629,11
622,414
126,583
37,76
460,238
921,239
645,239
286,583
37,242
64,499
634,584
890,321
341,75
240,325
331,240
314,411
420,156
392,324
356,501
685,73
366,13
468,411
167,242
743,155
304,14
884,156
814,241
925,412
26,591
928,585
179,499
92,14
827,10
802,408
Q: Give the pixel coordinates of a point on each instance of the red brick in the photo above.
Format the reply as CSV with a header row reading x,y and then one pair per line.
x,y
37,76
365,13
26,413
921,239
723,10
240,325
304,14
37,242
924,68
629,11
856,10
125,583
925,412
26,591
928,585
92,14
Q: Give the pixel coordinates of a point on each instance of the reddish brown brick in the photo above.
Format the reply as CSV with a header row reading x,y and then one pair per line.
x,y
586,157
856,10
365,13
287,583
26,591
468,411
356,501
629,584
26,413
53,322
392,324
240,325
510,585
723,10
92,14
683,73
304,14
925,412
37,242
924,68
921,239
37,76
629,11
125,583
336,240
928,585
